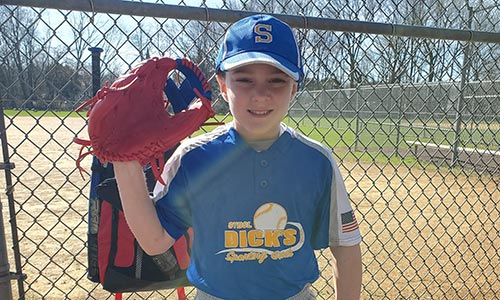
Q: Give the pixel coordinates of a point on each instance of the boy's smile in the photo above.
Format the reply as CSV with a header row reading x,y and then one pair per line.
x,y
258,97
260,113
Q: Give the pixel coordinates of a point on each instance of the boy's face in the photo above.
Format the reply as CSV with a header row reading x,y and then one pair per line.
x,y
258,97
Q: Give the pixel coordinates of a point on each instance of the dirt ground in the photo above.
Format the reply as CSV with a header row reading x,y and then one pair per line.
x,y
428,232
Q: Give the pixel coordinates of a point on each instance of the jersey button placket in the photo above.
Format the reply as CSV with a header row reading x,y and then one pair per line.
x,y
264,183
263,174
264,163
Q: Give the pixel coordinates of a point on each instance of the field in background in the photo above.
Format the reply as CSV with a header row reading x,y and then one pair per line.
x,y
343,132
377,133
429,232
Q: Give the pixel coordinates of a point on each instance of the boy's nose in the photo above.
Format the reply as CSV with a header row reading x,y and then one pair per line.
x,y
261,93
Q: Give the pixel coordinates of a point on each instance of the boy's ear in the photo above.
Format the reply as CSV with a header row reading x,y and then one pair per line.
x,y
222,85
295,89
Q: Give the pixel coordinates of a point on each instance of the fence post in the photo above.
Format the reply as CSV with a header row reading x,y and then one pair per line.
x,y
5,277
5,287
96,69
464,81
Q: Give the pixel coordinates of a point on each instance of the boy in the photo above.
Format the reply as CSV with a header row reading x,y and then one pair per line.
x,y
259,196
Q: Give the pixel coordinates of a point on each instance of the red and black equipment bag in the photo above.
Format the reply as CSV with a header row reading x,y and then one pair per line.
x,y
115,259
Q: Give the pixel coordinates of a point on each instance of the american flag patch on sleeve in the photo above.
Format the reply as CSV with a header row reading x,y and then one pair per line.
x,y
349,222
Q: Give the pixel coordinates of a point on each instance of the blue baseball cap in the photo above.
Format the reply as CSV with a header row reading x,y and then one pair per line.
x,y
260,39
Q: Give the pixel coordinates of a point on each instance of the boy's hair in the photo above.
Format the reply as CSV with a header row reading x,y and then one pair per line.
x,y
260,39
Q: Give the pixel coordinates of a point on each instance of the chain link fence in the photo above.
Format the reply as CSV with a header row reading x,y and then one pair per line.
x,y
406,93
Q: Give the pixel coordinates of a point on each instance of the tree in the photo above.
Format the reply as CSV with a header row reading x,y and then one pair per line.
x,y
85,35
141,38
17,31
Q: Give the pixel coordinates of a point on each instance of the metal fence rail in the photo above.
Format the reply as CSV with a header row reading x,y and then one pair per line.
x,y
406,93
208,14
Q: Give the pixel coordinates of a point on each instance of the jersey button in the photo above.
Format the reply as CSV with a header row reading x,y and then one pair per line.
x,y
264,184
264,163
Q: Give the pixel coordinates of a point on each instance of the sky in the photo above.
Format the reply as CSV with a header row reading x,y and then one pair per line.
x,y
58,22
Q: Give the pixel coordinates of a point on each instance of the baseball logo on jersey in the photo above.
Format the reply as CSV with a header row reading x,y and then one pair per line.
x,y
263,33
268,235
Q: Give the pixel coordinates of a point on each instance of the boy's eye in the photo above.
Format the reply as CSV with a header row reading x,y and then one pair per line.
x,y
277,80
243,80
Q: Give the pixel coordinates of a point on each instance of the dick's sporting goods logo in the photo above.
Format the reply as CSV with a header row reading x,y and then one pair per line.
x,y
269,236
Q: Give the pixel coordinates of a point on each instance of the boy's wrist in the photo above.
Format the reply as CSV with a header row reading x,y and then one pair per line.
x,y
128,169
134,164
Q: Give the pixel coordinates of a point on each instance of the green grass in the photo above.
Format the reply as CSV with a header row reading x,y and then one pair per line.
x,y
42,113
359,140
375,133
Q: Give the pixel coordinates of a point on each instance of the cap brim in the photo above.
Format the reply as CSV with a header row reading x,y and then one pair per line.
x,y
248,58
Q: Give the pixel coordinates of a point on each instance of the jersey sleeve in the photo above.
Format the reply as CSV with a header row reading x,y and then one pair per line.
x,y
343,226
171,199
334,223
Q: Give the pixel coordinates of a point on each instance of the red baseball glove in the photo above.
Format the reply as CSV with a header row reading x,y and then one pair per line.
x,y
129,120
